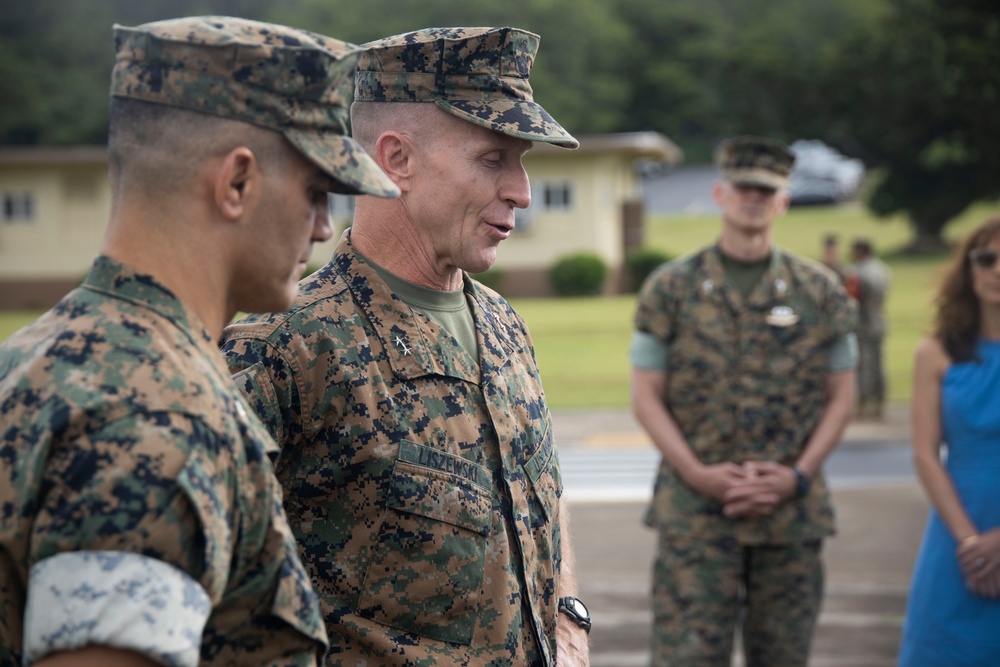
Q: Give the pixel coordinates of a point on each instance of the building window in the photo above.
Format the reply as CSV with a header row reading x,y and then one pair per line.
x,y
557,196
17,207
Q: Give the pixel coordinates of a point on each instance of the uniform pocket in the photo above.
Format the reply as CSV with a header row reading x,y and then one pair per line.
x,y
543,471
426,573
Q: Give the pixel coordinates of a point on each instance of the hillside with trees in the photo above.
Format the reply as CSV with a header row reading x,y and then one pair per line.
x,y
909,86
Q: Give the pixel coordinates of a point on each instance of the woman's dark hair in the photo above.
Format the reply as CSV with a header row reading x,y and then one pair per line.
x,y
956,324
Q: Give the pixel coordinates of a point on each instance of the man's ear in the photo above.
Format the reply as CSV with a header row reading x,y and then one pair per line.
x,y
394,153
236,182
718,192
784,201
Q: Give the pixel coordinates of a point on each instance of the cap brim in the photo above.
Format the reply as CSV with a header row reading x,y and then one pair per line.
x,y
345,161
524,120
756,177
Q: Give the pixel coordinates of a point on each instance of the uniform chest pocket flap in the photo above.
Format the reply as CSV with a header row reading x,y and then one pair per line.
x,y
426,571
543,471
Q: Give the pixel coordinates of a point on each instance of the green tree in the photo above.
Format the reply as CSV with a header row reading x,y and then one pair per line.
x,y
577,75
706,69
49,67
919,102
56,58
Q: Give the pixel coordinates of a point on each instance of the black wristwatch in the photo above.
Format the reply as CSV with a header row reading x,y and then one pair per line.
x,y
576,610
801,483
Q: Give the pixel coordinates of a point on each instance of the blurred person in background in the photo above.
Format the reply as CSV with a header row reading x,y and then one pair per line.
x,y
953,610
831,255
867,280
743,376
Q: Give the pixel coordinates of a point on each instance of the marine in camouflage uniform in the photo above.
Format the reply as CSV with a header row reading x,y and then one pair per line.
x,y
743,358
870,279
139,512
417,457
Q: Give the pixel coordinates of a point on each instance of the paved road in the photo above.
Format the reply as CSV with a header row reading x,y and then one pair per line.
x,y
868,566
627,473
681,190
608,466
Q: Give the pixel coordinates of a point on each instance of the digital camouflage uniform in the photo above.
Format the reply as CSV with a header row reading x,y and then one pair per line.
x,y
477,74
122,435
284,79
138,508
872,278
747,381
423,489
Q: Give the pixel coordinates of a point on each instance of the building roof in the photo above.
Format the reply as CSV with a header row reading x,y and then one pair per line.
x,y
47,155
648,145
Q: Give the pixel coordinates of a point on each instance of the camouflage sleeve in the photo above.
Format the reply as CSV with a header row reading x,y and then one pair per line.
x,y
118,599
841,310
656,306
267,382
159,484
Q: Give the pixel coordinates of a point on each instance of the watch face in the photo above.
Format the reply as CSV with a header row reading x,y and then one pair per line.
x,y
578,607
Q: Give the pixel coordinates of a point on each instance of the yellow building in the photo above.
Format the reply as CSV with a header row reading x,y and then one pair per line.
x,y
584,200
54,204
53,209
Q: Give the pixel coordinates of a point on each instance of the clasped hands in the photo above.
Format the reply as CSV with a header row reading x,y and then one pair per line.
x,y
751,490
979,558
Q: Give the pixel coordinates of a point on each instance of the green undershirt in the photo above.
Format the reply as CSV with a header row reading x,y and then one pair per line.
x,y
744,276
450,310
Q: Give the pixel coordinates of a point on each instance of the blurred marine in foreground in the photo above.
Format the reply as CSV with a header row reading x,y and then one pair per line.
x,y
140,519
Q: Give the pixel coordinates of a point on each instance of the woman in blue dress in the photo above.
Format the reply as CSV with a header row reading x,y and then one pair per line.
x,y
953,612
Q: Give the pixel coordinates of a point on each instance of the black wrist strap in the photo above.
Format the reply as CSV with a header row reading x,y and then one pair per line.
x,y
802,483
576,611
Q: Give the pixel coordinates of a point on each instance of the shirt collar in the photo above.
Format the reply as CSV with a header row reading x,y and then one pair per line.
x,y
415,347
114,278
774,285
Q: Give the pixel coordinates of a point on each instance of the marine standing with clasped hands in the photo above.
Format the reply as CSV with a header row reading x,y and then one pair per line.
x,y
743,376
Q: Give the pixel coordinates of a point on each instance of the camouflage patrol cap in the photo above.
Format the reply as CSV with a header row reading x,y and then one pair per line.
x,y
288,80
477,74
757,161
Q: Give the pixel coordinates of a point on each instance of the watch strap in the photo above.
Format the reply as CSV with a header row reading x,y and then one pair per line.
x,y
576,611
802,483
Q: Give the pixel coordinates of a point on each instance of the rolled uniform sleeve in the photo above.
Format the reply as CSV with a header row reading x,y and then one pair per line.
x,y
844,353
131,546
648,352
114,598
656,309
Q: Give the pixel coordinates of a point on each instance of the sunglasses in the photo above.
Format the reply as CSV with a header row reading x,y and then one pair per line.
x,y
983,258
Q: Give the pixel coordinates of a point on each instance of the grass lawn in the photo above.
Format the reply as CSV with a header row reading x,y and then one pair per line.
x,y
582,343
12,320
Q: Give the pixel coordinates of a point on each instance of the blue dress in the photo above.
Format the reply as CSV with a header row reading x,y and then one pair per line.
x,y
946,625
